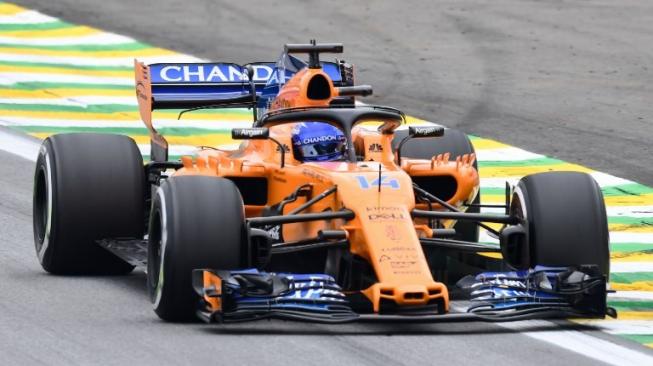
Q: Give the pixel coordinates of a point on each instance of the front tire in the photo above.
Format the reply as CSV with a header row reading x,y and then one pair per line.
x,y
567,222
196,222
87,187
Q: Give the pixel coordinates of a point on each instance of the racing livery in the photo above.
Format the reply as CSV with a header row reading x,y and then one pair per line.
x,y
329,210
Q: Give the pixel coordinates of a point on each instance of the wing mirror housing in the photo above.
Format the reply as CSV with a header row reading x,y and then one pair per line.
x,y
258,133
253,133
419,132
425,131
353,91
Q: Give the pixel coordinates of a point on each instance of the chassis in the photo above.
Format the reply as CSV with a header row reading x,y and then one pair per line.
x,y
386,231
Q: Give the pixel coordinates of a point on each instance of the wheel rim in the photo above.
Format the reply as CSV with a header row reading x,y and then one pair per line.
x,y
157,249
40,209
154,254
518,205
42,214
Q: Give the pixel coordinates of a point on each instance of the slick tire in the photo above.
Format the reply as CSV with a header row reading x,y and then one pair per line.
x,y
567,223
87,187
454,142
196,222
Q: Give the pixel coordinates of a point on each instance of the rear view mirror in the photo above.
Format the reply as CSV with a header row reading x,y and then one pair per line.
x,y
258,133
425,131
352,91
254,133
419,132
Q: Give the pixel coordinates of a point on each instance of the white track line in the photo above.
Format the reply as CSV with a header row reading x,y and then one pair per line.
x,y
81,101
586,345
643,212
19,145
603,179
631,295
640,327
217,125
9,78
27,17
506,154
91,60
629,267
626,237
91,39
615,237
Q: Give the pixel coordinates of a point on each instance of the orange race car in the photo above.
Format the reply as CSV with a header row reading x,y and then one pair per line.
x,y
329,210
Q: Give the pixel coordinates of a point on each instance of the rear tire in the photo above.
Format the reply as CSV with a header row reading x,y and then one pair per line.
x,y
567,222
87,187
196,222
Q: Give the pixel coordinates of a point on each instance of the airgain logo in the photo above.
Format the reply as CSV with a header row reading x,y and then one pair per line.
x,y
375,147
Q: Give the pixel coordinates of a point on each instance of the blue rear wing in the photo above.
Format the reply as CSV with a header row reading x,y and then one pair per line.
x,y
196,85
181,86
206,85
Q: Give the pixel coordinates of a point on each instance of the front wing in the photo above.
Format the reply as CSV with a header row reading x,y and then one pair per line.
x,y
237,296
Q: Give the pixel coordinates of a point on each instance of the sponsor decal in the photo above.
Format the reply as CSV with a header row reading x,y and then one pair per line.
x,y
324,138
394,216
382,208
218,72
392,233
274,232
140,91
207,73
385,181
385,213
420,131
282,103
408,272
279,179
250,133
311,174
398,249
402,264
375,147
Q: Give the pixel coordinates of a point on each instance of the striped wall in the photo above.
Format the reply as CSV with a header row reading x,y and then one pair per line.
x,y
60,77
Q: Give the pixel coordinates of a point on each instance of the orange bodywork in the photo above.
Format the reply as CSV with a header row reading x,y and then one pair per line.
x,y
383,231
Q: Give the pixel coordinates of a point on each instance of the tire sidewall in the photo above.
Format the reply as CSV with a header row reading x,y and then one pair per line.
x,y
588,248
45,165
93,187
170,272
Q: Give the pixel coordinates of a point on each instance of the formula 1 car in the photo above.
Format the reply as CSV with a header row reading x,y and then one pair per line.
x,y
386,229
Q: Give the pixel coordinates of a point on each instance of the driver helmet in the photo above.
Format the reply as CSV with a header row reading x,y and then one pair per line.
x,y
318,141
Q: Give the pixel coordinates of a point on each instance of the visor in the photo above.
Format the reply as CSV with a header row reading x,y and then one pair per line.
x,y
327,149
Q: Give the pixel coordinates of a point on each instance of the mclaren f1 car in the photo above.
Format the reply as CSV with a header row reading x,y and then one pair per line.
x,y
329,210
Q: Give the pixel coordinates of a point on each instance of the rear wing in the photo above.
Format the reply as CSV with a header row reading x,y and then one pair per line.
x,y
201,85
193,85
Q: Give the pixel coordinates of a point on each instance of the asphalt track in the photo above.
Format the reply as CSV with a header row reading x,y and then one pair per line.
x,y
108,320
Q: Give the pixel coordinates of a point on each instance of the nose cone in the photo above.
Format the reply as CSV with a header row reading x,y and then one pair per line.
x,y
409,295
